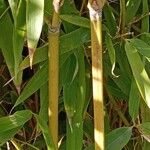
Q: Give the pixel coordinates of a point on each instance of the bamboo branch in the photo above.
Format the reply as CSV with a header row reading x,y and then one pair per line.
x,y
95,9
53,37
16,145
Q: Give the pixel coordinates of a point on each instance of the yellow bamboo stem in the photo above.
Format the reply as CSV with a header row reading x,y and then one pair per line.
x,y
97,71
54,72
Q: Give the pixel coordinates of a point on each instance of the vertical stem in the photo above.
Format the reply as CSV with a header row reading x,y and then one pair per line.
x,y
53,38
97,72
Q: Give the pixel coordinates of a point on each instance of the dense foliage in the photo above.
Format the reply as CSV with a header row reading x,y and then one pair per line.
x,y
24,91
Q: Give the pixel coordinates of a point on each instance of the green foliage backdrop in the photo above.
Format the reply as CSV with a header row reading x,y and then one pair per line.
x,y
23,91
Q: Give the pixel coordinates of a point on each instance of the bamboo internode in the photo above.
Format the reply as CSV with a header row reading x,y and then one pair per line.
x,y
53,37
95,10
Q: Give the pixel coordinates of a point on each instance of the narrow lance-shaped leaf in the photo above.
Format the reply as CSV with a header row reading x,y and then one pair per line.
x,y
46,133
142,47
13,5
34,21
145,20
139,72
118,138
68,85
111,51
132,6
18,40
7,135
44,102
39,79
13,121
6,26
110,19
72,38
76,20
134,100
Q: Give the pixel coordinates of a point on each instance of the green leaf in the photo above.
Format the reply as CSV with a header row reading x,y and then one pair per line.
x,y
34,15
6,45
75,40
18,39
41,54
44,102
39,79
69,70
111,51
74,104
7,135
14,121
76,20
139,72
145,21
132,8
72,38
69,7
110,19
13,5
134,101
124,86
46,133
118,138
142,47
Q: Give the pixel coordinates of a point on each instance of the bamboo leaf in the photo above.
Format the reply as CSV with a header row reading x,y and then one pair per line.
x,y
18,39
44,102
41,54
13,5
46,133
139,73
134,101
69,8
76,20
74,40
6,45
70,70
70,84
14,121
111,51
132,6
74,104
7,135
39,79
142,47
34,15
118,138
145,20
110,19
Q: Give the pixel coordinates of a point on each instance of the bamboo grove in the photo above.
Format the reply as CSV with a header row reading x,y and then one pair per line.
x,y
74,74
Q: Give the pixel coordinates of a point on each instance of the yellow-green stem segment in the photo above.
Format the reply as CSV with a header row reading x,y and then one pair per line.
x,y
95,8
53,38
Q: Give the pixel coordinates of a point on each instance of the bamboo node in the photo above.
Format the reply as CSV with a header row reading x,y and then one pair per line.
x,y
57,4
54,29
94,10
